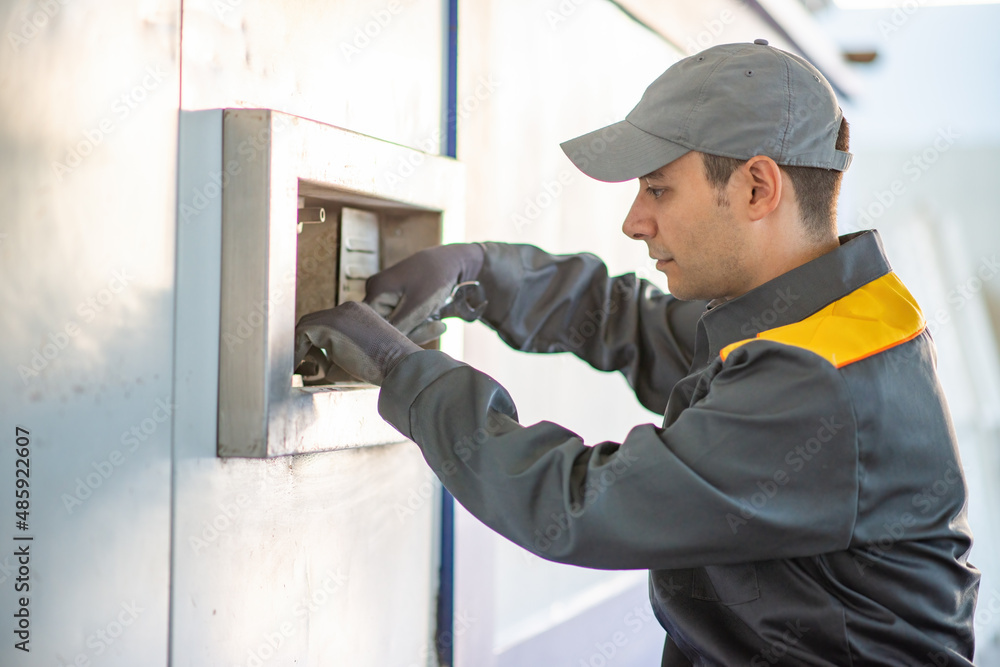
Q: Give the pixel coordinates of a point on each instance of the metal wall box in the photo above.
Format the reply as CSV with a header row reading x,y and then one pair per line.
x,y
273,164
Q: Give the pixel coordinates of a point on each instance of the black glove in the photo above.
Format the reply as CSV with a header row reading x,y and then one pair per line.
x,y
355,338
411,294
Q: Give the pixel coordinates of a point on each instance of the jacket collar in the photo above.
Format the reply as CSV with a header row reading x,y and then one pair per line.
x,y
793,295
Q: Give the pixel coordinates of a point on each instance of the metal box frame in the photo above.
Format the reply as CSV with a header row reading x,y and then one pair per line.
x,y
270,159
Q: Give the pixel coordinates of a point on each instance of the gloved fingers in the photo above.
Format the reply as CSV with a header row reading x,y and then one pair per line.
x,y
345,353
467,301
417,287
356,339
302,347
382,303
426,332
414,309
314,366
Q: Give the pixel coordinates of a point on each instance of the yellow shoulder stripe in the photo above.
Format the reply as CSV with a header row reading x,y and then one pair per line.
x,y
872,318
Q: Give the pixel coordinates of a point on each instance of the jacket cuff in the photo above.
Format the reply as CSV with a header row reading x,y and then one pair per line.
x,y
405,382
501,276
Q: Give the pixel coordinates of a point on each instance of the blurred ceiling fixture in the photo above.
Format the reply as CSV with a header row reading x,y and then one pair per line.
x,y
860,56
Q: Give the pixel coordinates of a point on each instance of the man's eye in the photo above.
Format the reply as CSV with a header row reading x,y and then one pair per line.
x,y
656,192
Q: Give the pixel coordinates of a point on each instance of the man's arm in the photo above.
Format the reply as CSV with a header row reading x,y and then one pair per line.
x,y
764,466
539,302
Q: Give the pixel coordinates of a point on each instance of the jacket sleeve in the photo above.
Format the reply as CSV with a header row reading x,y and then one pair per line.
x,y
540,302
763,466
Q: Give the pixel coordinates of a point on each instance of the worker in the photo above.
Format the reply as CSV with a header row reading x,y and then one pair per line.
x,y
803,500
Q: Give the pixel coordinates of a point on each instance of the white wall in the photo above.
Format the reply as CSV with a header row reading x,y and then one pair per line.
x,y
550,82
372,66
305,557
92,86
320,561
926,145
313,547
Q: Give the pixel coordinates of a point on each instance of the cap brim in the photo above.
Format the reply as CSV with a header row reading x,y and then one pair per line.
x,y
620,152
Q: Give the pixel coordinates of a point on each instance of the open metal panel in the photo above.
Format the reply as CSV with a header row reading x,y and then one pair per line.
x,y
271,163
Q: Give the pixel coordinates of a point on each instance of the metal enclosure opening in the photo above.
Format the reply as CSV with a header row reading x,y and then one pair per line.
x,y
341,241
282,258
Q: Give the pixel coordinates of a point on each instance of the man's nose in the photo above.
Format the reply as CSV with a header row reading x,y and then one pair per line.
x,y
639,223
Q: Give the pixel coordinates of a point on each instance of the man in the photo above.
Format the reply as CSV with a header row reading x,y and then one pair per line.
x,y
803,501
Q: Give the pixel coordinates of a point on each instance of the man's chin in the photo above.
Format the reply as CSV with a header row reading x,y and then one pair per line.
x,y
679,290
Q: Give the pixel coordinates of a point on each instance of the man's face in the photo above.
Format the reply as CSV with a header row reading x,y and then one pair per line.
x,y
695,239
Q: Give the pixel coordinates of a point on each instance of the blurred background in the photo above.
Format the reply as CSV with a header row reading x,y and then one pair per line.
x,y
149,549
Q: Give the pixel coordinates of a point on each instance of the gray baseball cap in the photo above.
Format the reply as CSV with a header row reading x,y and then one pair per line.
x,y
733,100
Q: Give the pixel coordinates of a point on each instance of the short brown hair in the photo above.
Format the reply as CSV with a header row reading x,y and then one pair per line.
x,y
816,189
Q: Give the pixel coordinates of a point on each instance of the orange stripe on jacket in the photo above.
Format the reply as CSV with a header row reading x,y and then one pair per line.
x,y
869,320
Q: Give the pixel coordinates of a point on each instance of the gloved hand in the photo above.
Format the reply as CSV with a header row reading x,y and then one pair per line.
x,y
356,339
411,294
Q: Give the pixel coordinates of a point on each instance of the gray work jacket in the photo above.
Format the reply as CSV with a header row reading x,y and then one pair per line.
x,y
803,502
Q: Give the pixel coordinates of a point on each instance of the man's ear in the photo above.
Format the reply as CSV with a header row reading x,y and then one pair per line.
x,y
763,186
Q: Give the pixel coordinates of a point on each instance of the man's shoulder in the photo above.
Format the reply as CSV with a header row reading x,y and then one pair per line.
x,y
876,317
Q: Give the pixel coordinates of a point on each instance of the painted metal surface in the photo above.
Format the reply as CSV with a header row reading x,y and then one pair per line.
x,y
373,66
307,557
368,513
88,138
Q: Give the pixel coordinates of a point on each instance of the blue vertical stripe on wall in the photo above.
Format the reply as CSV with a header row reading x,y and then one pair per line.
x,y
445,636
